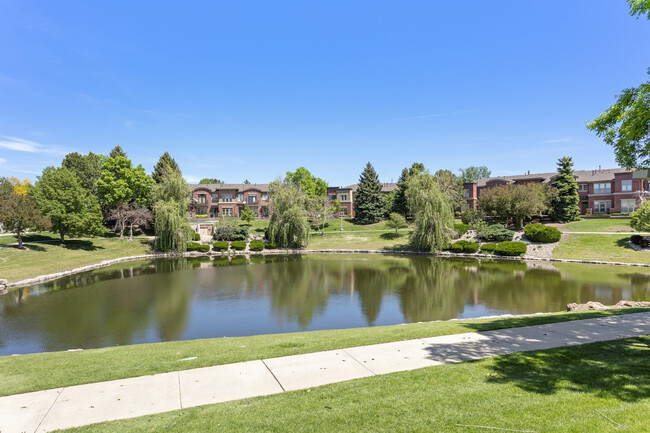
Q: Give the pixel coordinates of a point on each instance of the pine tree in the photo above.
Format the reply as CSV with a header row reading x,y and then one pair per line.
x,y
368,202
565,206
165,164
117,151
400,204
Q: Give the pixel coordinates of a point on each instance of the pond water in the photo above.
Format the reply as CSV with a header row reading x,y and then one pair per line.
x,y
190,298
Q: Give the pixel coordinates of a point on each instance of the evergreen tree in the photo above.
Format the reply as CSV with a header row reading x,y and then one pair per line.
x,y
565,203
400,204
117,151
165,164
368,202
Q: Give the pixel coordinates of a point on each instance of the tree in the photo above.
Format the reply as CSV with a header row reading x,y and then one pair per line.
x,y
6,188
400,204
207,180
20,213
311,185
434,215
67,204
565,205
87,168
170,199
247,182
396,222
247,215
20,186
640,218
451,185
336,207
473,173
639,7
165,164
117,151
138,217
514,203
120,183
288,226
368,201
225,228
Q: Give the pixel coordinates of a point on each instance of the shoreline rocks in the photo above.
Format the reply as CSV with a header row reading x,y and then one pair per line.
x,y
598,306
3,287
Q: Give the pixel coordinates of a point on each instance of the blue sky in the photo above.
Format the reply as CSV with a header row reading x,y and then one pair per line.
x,y
248,90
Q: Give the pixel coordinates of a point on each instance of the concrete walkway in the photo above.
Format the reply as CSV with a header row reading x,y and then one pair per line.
x,y
80,405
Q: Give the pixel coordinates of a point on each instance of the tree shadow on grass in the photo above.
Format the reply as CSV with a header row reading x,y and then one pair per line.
x,y
616,369
31,247
78,244
389,236
624,242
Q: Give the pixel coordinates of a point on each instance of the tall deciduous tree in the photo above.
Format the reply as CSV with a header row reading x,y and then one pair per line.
x,y
67,204
451,185
639,7
20,213
288,226
6,188
87,168
368,199
433,211
473,173
207,180
247,215
170,199
311,185
565,206
120,183
400,203
514,203
165,164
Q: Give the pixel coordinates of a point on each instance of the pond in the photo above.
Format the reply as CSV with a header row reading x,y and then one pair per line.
x,y
190,298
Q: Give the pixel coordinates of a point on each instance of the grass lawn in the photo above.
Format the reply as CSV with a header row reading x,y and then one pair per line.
x,y
35,372
557,390
50,257
376,240
31,237
611,248
598,225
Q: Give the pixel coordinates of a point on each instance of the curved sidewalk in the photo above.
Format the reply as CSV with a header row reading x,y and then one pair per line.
x,y
80,405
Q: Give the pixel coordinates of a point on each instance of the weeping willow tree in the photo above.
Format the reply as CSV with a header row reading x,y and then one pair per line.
x,y
288,226
433,210
170,200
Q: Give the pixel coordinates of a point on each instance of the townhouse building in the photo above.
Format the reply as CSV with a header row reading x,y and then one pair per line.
x,y
224,199
345,195
601,191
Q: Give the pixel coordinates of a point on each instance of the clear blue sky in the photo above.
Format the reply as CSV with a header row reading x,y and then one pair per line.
x,y
248,90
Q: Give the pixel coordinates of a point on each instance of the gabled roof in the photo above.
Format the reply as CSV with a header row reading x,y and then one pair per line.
x,y
385,187
263,187
583,176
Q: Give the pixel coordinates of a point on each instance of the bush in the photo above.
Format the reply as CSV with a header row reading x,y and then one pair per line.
x,y
256,245
488,248
640,218
507,248
193,246
220,246
494,232
196,237
203,248
238,245
470,247
225,233
461,229
471,216
542,233
446,247
457,247
270,245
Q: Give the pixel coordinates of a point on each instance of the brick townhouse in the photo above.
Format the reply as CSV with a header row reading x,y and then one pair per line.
x,y
229,199
345,195
601,191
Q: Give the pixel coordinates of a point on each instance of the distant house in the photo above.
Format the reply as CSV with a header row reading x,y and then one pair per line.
x,y
229,199
345,195
601,191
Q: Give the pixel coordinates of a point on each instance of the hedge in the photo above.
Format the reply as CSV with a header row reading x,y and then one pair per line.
x,y
270,245
203,248
470,247
196,237
238,245
256,245
542,233
507,248
224,234
193,246
457,247
220,246
461,229
488,248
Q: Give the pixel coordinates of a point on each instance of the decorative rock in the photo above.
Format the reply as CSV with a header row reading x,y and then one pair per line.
x,y
623,304
588,306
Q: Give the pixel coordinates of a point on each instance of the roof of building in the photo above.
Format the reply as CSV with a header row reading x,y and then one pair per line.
x,y
264,187
601,175
385,187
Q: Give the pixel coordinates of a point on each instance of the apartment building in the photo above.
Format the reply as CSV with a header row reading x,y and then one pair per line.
x,y
345,195
601,191
229,199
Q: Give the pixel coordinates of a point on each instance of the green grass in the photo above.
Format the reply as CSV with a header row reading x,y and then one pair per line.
x,y
35,372
376,240
610,248
348,225
50,257
557,390
31,237
598,225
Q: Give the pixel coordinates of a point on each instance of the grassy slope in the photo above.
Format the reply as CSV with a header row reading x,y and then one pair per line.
x,y
26,373
360,240
611,248
598,225
46,258
555,390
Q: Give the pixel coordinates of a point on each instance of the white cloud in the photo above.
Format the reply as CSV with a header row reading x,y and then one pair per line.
x,y
22,145
2,161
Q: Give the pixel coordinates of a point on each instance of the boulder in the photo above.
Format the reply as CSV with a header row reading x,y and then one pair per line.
x,y
623,304
3,282
588,306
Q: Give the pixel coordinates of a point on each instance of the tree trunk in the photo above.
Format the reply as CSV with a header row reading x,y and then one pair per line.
x,y
131,232
62,233
20,240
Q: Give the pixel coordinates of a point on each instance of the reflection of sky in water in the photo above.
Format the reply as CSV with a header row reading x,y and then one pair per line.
x,y
183,299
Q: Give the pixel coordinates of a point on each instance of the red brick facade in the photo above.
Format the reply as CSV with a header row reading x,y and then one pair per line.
x,y
229,199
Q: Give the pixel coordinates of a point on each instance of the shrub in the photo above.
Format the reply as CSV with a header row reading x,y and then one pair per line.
x,y
470,247
193,246
471,216
203,248
238,245
494,232
636,239
507,248
220,246
457,247
270,245
542,233
226,231
488,248
196,236
446,246
640,218
461,229
256,245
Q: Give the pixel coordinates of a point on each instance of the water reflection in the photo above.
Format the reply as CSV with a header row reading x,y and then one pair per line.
x,y
187,298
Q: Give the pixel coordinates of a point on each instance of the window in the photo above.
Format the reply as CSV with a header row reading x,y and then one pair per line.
x,y
332,197
628,205
344,211
602,206
201,198
583,187
201,211
265,197
227,211
626,185
603,188
227,198
344,197
215,196
252,198
240,197
465,193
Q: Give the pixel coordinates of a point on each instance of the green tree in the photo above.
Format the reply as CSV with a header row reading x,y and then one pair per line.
x,y
117,151
368,199
400,203
171,198
288,226
451,185
165,164
6,188
247,182
640,218
396,222
67,204
247,215
120,183
473,173
207,180
337,209
87,168
311,185
514,203
639,7
20,213
433,211
565,206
